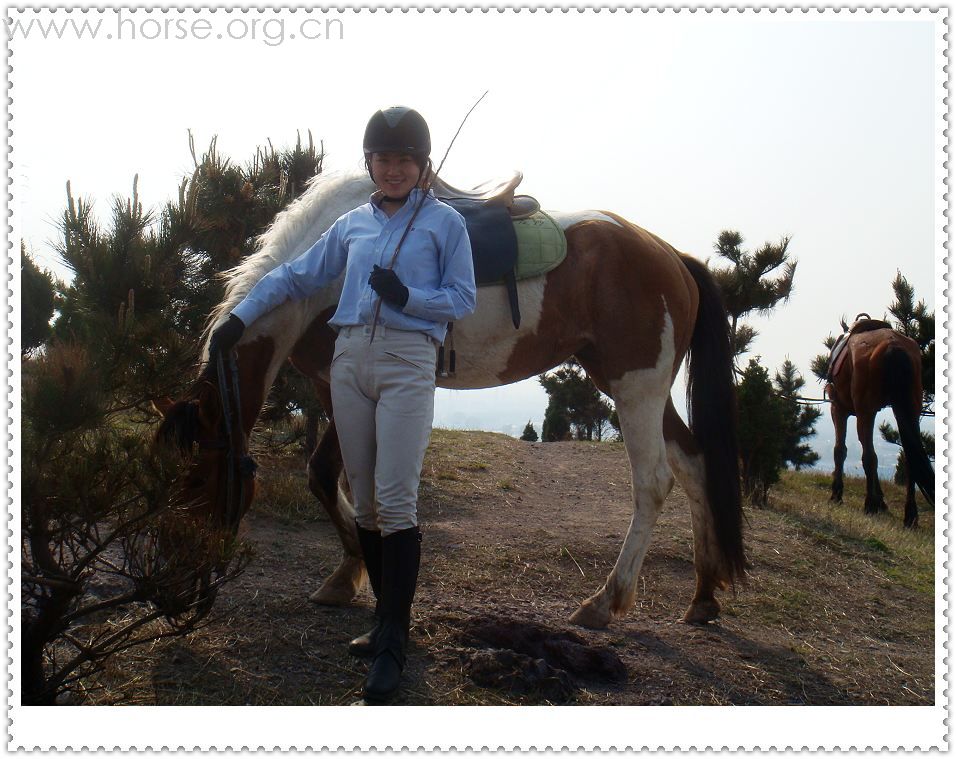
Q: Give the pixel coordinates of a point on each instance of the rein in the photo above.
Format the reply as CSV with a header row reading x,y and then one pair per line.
x,y
238,467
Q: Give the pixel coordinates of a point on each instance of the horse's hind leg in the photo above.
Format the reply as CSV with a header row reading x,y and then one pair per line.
x,y
874,493
687,463
325,469
640,396
839,418
910,513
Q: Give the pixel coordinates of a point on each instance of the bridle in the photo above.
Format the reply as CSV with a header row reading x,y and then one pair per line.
x,y
239,464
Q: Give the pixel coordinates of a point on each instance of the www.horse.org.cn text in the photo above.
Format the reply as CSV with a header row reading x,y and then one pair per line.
x,y
131,27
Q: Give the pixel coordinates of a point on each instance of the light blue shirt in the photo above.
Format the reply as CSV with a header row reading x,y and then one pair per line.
x,y
434,264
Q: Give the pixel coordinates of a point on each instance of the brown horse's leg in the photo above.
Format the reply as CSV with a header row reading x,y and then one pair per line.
x,y
325,469
874,493
687,463
910,513
839,417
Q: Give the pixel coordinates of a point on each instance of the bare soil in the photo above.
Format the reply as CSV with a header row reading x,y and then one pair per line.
x,y
515,536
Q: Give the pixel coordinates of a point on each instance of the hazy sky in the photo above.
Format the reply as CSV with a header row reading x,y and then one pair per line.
x,y
817,126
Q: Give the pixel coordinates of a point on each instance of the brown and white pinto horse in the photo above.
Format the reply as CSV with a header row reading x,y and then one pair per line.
x,y
624,302
881,368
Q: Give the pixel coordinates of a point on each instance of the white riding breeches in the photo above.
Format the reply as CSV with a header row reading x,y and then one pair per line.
x,y
383,400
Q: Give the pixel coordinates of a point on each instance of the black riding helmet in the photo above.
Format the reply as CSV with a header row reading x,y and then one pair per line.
x,y
397,130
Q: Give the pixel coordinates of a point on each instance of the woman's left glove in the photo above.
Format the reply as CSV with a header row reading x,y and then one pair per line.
x,y
225,336
387,284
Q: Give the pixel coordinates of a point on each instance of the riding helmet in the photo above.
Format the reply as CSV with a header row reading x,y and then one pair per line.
x,y
397,130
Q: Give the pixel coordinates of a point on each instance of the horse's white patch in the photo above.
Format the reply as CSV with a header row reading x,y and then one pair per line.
x,y
567,219
485,339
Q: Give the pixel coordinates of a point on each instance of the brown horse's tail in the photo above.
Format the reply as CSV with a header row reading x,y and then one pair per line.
x,y
712,414
899,376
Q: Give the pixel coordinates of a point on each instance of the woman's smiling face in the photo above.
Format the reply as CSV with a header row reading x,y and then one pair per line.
x,y
395,174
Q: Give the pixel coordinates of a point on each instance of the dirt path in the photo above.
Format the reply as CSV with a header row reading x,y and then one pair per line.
x,y
516,535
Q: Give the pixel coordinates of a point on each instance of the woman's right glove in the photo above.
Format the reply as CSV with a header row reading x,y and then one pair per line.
x,y
225,336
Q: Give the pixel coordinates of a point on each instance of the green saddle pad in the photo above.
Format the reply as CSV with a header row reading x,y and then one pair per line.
x,y
541,245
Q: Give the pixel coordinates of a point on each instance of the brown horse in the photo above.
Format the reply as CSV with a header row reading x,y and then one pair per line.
x,y
880,368
624,302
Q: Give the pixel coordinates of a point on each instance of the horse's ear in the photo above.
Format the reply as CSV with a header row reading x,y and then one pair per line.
x,y
843,324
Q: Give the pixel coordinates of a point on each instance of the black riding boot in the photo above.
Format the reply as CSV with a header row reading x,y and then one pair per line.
x,y
370,541
401,556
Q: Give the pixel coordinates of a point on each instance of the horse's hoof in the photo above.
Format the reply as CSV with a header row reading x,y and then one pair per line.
x,y
702,612
589,615
332,595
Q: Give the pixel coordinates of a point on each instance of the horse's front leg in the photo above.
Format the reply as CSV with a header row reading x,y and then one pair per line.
x,y
839,450
325,470
874,493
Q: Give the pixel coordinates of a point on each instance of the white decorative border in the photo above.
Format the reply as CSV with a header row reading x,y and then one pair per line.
x,y
476,729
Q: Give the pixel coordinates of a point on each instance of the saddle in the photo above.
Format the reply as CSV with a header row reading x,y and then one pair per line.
x,y
498,192
868,325
863,323
490,210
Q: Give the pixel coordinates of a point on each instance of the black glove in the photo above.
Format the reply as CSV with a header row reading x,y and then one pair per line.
x,y
387,284
225,336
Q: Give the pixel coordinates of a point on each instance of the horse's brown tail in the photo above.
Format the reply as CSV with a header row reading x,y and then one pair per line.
x,y
899,374
712,416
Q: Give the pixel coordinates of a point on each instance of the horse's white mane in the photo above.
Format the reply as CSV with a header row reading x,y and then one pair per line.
x,y
294,229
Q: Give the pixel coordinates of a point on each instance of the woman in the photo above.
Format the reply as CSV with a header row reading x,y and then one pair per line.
x,y
383,389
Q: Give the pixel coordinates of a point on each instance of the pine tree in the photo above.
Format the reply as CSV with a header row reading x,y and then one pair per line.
x,y
749,285
37,303
556,426
529,433
96,502
914,320
575,405
233,205
762,432
799,418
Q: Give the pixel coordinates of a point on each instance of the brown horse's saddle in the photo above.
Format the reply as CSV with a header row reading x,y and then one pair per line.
x,y
499,192
863,323
868,325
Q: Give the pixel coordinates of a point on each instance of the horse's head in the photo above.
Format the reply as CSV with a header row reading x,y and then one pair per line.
x,y
196,548
219,483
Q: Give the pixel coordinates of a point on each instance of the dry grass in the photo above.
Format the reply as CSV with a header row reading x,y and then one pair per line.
x,y
907,556
282,489
838,610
